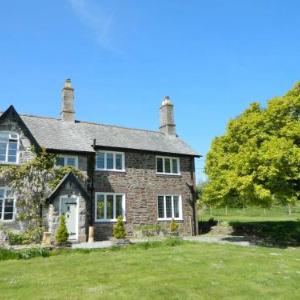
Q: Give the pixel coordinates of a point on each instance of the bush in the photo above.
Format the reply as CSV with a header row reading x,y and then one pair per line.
x,y
6,254
119,229
62,231
16,238
174,226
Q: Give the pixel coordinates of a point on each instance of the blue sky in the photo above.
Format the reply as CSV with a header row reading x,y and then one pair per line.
x,y
211,57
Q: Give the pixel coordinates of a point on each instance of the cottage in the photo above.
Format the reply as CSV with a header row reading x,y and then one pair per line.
x,y
148,177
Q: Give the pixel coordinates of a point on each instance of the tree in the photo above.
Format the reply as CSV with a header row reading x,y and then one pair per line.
x,y
119,229
62,231
31,183
257,160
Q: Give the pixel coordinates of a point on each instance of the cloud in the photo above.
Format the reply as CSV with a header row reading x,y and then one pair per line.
x,y
98,20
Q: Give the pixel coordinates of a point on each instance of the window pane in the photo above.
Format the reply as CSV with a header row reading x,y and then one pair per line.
x,y
2,193
109,161
168,206
119,210
1,203
119,163
8,209
109,206
176,206
71,161
167,165
60,161
3,151
175,166
160,207
100,160
100,206
159,165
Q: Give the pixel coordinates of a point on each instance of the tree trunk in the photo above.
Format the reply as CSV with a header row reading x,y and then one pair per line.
x,y
289,209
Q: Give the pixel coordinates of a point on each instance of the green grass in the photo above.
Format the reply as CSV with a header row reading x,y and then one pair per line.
x,y
278,213
156,271
268,226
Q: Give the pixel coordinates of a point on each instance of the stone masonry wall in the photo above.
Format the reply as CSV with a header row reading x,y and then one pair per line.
x,y
25,154
141,186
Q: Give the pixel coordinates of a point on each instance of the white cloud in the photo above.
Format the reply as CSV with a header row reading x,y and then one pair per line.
x,y
98,20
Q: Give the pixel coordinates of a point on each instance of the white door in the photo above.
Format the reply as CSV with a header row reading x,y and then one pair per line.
x,y
68,207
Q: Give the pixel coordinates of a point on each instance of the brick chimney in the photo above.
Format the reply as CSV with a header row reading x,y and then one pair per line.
x,y
167,124
67,102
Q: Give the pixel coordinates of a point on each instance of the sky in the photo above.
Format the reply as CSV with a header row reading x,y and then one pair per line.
x,y
213,58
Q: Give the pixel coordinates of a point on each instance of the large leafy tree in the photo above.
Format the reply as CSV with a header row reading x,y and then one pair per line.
x,y
257,160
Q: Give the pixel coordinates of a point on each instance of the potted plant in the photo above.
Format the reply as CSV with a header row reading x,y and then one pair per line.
x,y
62,234
174,228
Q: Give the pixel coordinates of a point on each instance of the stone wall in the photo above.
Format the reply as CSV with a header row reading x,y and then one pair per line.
x,y
141,186
25,154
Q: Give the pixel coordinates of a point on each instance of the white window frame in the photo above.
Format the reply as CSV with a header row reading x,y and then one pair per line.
x,y
114,219
114,161
18,145
171,165
180,218
6,189
65,157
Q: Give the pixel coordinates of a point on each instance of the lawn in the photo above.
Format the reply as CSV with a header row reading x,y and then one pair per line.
x,y
268,226
161,271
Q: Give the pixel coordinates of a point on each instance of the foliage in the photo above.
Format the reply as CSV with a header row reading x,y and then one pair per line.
x,y
31,183
173,226
16,238
6,254
62,231
119,229
257,160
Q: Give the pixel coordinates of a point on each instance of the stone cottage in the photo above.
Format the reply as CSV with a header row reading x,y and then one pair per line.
x,y
148,177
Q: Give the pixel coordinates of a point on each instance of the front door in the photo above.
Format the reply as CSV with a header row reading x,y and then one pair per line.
x,y
68,207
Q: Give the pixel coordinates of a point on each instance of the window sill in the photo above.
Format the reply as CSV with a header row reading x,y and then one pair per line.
x,y
9,163
117,171
7,221
108,221
170,219
168,174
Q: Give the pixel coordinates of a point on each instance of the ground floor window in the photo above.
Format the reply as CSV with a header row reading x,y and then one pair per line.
x,y
109,206
169,207
7,205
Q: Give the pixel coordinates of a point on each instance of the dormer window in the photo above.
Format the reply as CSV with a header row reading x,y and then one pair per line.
x,y
9,144
67,160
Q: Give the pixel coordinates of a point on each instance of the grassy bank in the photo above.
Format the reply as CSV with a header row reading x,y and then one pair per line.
x,y
184,271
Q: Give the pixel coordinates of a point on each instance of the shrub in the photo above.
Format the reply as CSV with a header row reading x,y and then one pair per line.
x,y
16,238
62,231
174,226
6,254
119,229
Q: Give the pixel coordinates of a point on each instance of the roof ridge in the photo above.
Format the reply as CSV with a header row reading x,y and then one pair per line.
x,y
92,123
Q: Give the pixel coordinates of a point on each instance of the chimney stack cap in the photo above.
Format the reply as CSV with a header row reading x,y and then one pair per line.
x,y
166,101
68,84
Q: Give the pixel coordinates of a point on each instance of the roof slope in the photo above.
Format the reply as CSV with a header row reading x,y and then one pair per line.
x,y
55,134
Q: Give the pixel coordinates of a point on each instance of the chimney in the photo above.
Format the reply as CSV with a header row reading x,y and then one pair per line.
x,y
167,124
67,102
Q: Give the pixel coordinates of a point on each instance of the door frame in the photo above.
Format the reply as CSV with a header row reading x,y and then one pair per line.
x,y
76,198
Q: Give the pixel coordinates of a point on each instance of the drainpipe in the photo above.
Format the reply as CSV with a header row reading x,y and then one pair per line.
x,y
194,197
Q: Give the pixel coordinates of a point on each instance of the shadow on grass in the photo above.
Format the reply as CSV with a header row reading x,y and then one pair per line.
x,y
280,234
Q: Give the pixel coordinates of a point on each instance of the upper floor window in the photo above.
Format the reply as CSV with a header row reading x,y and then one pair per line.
x,y
7,205
110,161
67,160
9,147
109,206
169,207
167,165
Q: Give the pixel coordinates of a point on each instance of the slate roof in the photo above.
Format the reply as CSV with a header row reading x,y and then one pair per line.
x,y
56,134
